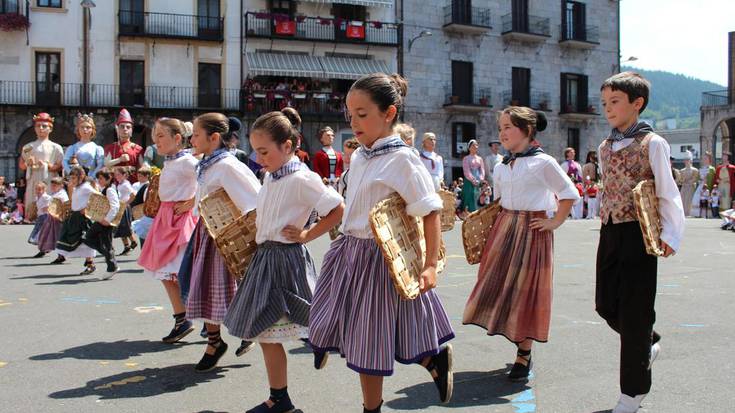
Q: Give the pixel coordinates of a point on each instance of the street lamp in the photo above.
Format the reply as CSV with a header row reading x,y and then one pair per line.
x,y
617,67
424,33
87,5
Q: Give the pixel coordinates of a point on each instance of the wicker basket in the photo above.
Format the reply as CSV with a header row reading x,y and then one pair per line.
x,y
475,230
120,212
138,211
401,240
449,210
59,210
97,207
152,201
646,207
233,232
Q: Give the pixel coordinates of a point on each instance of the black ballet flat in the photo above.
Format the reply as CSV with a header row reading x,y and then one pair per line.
x,y
209,361
282,405
520,372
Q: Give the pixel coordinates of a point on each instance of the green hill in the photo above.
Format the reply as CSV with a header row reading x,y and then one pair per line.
x,y
675,96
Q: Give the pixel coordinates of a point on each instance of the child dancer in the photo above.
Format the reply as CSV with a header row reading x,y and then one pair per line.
x,y
126,194
272,304
142,225
512,296
174,224
626,274
42,202
212,286
99,235
70,240
356,310
48,236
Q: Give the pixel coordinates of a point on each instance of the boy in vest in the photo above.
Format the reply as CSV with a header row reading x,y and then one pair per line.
x,y
626,275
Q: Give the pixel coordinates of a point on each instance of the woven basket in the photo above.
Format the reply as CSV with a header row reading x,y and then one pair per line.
x,y
401,240
233,232
152,201
120,212
138,211
449,209
646,207
59,210
97,207
475,230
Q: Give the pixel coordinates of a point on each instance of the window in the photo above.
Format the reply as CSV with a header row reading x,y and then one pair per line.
x,y
461,82
50,3
574,97
9,6
573,141
210,85
521,94
209,18
48,78
349,12
462,11
519,11
574,21
462,132
132,83
131,17
287,7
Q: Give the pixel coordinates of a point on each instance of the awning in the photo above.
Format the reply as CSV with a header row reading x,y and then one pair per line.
x,y
300,65
281,64
368,3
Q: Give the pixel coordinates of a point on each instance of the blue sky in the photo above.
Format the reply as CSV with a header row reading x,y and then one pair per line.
x,y
680,36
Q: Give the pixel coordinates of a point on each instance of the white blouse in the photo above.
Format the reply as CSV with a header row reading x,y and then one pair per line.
x,y
61,195
532,184
372,180
80,196
42,203
125,190
114,201
237,180
289,201
178,181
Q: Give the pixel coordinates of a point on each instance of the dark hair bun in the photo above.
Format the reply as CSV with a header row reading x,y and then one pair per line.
x,y
541,122
293,116
234,124
400,84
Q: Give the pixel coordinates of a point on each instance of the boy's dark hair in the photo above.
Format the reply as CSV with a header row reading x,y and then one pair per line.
x,y
105,173
632,84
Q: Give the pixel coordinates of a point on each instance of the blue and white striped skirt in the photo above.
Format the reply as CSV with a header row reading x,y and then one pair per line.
x,y
357,312
279,282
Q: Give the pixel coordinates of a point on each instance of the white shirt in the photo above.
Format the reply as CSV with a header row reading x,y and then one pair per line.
x,y
125,190
178,181
137,185
289,201
237,180
438,169
490,162
61,195
114,203
670,208
372,180
42,203
533,184
80,196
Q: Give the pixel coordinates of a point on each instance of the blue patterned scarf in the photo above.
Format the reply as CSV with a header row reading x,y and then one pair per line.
x,y
210,160
287,169
178,155
391,145
631,132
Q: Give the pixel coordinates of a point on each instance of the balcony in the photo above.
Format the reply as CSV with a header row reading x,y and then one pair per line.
x,y
537,100
579,37
472,20
580,111
477,102
171,26
530,29
320,29
718,98
308,103
24,93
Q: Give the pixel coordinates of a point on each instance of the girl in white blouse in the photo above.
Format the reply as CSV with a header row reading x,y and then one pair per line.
x,y
273,302
126,193
512,296
70,241
356,309
212,286
99,235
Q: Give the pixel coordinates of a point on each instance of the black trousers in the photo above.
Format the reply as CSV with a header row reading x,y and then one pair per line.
x,y
99,237
624,297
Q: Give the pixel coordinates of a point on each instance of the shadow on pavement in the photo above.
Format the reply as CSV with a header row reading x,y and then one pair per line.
x,y
75,282
145,383
471,388
116,350
32,264
131,271
44,276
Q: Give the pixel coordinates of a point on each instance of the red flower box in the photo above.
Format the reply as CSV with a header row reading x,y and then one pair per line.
x,y
12,22
355,31
286,28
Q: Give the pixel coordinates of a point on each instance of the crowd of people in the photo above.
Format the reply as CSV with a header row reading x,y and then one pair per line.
x,y
350,305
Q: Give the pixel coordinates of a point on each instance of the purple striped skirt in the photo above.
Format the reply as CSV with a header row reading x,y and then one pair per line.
x,y
357,312
212,287
49,234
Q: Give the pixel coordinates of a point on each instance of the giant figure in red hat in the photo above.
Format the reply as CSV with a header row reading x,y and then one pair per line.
x,y
124,152
41,160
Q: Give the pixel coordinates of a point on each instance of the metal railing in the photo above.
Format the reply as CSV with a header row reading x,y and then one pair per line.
x,y
533,25
133,23
718,98
537,100
480,97
589,34
455,14
336,30
592,106
100,96
306,102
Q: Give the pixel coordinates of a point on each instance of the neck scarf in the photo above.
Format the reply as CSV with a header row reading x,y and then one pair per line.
x,y
287,169
531,151
178,155
430,157
391,145
210,160
631,132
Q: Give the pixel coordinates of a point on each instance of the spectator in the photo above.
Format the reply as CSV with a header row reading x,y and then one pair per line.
x,y
591,167
3,189
474,173
570,166
714,201
704,200
590,194
493,159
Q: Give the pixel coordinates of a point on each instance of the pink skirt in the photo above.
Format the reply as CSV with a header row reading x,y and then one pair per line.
x,y
169,234
49,234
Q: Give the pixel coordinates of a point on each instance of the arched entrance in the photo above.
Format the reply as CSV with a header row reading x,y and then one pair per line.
x,y
723,138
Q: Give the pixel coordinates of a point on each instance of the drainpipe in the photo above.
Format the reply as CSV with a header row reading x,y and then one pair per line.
x,y
399,16
85,56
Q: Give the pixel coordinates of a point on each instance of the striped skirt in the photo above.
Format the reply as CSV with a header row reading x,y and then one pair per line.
x,y
123,229
40,220
279,282
357,312
512,296
49,234
212,287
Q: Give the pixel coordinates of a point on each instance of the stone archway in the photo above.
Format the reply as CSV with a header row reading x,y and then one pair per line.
x,y
717,130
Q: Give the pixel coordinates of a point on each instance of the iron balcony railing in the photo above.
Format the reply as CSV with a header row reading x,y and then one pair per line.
x,y
454,13
480,97
530,25
536,100
281,26
590,34
591,106
718,98
182,26
101,96
306,102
